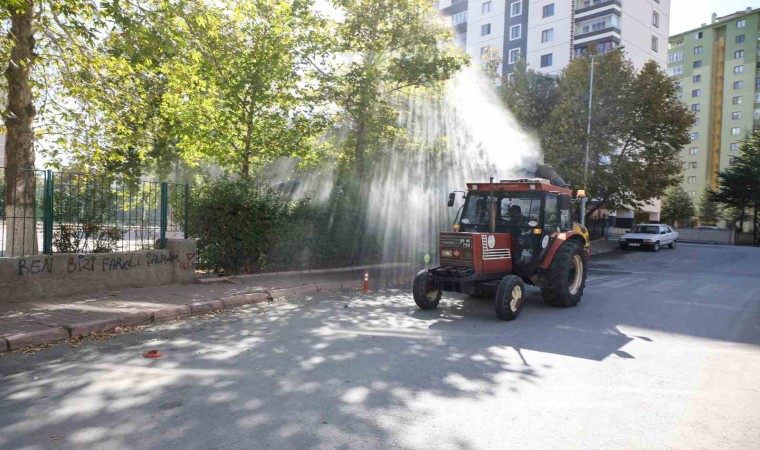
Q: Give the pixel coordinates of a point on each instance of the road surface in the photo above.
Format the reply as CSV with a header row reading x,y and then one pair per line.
x,y
663,352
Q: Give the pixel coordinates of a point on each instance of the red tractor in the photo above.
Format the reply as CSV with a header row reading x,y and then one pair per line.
x,y
507,234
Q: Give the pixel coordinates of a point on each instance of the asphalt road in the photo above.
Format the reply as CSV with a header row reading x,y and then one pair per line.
x,y
663,352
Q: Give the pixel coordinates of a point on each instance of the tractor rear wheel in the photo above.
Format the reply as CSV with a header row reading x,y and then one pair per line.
x,y
566,276
510,297
426,296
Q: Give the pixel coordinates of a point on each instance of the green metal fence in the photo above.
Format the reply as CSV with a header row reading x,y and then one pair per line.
x,y
66,212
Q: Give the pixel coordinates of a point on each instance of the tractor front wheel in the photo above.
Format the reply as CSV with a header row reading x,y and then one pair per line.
x,y
566,276
510,296
426,296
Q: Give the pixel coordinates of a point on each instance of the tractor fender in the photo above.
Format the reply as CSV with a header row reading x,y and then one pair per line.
x,y
561,238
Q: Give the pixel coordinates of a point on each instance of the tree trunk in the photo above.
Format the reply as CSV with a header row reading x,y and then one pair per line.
x,y
361,142
19,146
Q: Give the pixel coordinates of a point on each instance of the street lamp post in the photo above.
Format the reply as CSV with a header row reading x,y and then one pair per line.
x,y
588,136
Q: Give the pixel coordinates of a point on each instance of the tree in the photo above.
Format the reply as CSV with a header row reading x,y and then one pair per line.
x,y
530,95
394,47
738,184
17,117
638,126
709,211
677,207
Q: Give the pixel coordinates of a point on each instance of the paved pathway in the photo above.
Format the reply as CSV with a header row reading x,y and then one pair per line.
x,y
49,320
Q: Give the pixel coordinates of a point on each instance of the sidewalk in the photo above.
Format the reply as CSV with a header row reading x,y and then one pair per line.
x,y
50,320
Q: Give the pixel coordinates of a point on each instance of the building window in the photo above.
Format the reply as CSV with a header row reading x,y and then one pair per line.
x,y
732,161
741,23
692,194
736,131
756,114
757,82
511,78
674,71
548,10
547,35
697,64
460,17
696,92
656,20
694,150
757,97
692,165
486,8
737,100
739,54
698,50
484,52
739,69
696,121
675,57
736,115
514,56
546,60
485,29
739,39
691,179
695,107
694,136
734,146
654,44
515,32
738,84
696,78
515,9
698,35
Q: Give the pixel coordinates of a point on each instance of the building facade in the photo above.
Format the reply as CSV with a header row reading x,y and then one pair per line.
x,y
547,33
717,68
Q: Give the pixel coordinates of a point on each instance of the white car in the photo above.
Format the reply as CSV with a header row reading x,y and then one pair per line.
x,y
649,235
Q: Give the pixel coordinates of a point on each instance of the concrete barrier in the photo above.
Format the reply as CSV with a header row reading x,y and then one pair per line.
x,y
45,276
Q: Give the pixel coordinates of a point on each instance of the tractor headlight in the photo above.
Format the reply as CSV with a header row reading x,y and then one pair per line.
x,y
446,253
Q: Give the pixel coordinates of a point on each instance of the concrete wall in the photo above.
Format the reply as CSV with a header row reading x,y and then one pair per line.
x,y
45,276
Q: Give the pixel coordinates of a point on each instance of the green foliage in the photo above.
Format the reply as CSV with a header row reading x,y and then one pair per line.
x,y
739,185
243,226
638,126
709,211
530,95
677,207
396,47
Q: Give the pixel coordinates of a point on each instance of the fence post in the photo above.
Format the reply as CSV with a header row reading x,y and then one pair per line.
x,y
187,211
47,214
164,212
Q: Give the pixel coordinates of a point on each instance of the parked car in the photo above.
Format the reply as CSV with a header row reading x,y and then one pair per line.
x,y
708,227
649,235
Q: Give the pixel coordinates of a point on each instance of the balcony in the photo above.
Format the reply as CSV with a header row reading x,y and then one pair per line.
x,y
583,6
597,25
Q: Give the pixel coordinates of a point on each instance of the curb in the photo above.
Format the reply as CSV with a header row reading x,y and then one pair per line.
x,y
162,313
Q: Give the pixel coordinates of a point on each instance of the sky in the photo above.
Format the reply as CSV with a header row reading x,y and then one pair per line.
x,y
686,15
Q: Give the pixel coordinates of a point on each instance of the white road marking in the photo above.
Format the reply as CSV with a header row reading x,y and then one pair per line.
x,y
704,305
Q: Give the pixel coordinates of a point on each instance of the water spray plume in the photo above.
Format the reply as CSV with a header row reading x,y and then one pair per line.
x,y
465,136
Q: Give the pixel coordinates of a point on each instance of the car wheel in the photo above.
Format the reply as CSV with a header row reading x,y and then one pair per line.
x,y
425,295
656,247
672,244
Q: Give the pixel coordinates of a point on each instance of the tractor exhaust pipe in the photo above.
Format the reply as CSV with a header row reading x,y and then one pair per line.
x,y
547,171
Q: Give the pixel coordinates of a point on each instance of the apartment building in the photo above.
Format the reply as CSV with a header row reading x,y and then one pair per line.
x,y
717,67
547,33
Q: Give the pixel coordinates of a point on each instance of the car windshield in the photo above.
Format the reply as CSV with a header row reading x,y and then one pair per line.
x,y
512,209
646,229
